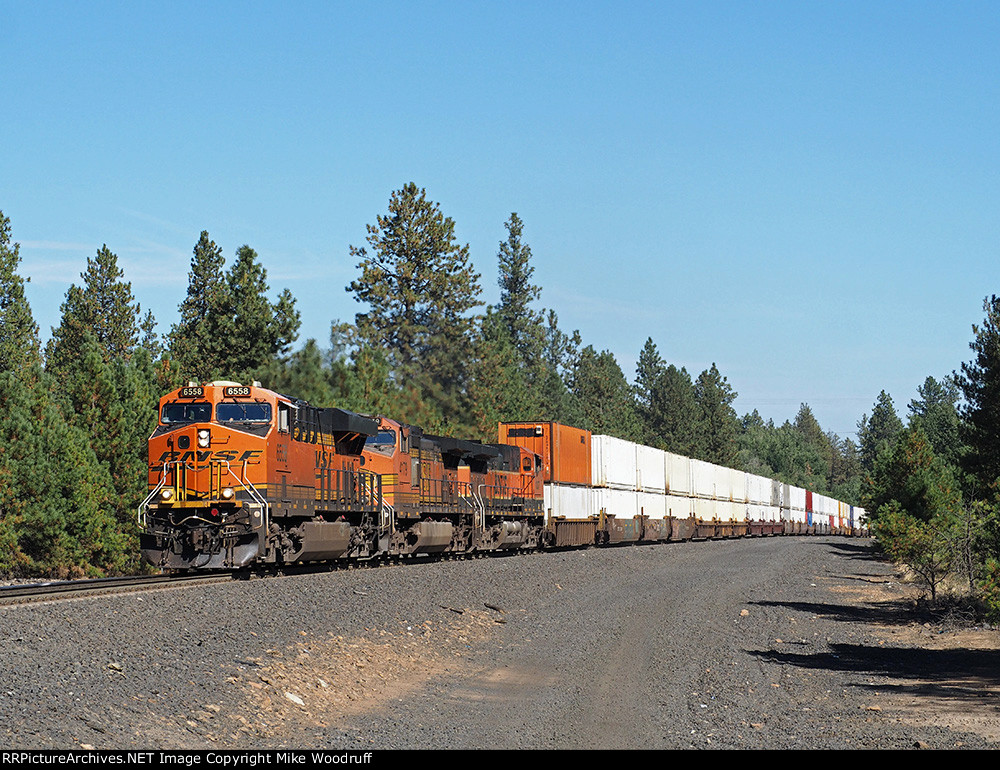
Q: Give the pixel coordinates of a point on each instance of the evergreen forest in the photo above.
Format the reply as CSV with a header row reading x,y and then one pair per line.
x,y
75,412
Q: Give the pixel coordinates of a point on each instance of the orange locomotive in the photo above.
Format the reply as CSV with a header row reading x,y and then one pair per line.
x,y
240,475
449,495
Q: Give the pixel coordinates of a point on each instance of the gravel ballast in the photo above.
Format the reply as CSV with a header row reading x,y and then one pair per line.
x,y
754,643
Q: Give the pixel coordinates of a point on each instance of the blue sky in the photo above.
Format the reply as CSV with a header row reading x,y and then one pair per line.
x,y
804,193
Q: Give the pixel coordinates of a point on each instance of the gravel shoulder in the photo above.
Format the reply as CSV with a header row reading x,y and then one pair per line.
x,y
763,643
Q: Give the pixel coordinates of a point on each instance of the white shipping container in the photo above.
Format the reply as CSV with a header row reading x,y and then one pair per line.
x,y
704,508
737,485
711,481
620,503
651,469
571,502
678,470
679,507
732,511
798,500
777,498
652,504
758,490
612,462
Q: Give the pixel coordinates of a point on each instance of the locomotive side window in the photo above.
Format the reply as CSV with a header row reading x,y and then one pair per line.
x,y
283,418
243,412
179,414
383,442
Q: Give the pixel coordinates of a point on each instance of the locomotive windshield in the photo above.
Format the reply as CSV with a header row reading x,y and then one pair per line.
x,y
174,414
253,412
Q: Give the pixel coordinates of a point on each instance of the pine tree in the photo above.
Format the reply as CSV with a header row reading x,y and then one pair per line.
x,y
114,405
194,343
845,481
812,434
103,306
936,412
665,402
420,288
717,420
910,474
753,445
55,495
878,434
679,426
498,389
149,339
554,397
980,385
648,372
249,330
19,345
306,375
102,378
604,396
228,328
523,323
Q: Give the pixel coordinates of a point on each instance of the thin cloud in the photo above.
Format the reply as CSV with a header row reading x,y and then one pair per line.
x,y
55,246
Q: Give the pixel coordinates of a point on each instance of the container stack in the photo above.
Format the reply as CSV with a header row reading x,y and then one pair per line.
x,y
591,476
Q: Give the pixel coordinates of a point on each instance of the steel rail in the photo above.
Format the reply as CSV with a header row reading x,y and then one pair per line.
x,y
63,589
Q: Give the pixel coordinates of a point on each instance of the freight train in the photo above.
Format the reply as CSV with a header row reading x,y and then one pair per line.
x,y
241,476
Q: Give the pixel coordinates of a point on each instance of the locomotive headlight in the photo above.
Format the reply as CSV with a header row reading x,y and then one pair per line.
x,y
167,495
227,493
203,438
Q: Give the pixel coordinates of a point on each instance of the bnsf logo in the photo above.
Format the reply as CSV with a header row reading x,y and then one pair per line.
x,y
223,456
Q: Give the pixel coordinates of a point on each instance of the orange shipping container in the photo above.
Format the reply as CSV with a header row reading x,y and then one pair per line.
x,y
565,451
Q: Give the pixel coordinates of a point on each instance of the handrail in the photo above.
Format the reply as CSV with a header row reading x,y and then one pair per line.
x,y
256,496
482,508
242,481
144,505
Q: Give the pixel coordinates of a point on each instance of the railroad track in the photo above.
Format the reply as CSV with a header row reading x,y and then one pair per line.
x,y
65,589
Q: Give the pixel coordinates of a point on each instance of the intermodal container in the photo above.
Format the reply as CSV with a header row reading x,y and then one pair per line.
x,y
565,451
613,463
